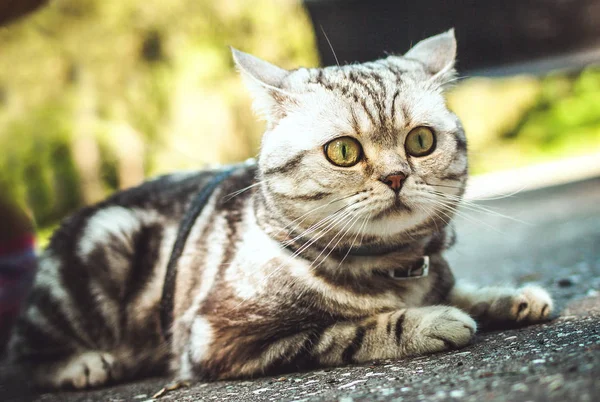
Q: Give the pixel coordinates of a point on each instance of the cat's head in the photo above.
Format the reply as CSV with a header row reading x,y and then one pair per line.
x,y
362,149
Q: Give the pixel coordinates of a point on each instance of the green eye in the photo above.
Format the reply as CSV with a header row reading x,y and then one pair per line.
x,y
420,141
344,151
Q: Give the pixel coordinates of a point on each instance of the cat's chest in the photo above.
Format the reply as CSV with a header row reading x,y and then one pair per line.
x,y
264,270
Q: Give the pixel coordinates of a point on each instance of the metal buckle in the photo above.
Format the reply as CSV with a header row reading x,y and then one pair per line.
x,y
424,268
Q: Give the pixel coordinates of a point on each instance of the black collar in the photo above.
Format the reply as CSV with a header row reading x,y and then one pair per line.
x,y
375,250
360,251
419,269
194,210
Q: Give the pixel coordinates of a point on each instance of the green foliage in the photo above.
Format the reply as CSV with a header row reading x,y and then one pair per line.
x,y
565,105
37,154
565,119
516,121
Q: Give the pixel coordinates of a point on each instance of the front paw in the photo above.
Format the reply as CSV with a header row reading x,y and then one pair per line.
x,y
528,304
437,328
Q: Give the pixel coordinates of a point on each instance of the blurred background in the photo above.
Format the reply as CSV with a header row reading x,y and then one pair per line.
x,y
98,95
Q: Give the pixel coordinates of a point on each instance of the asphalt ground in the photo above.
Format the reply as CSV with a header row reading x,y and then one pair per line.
x,y
549,236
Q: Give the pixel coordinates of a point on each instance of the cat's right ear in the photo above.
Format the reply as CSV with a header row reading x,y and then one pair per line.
x,y
265,82
438,55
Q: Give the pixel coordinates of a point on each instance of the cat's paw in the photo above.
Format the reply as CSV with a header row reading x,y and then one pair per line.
x,y
525,305
86,370
437,328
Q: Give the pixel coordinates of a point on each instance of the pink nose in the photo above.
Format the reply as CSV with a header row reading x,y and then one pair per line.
x,y
394,181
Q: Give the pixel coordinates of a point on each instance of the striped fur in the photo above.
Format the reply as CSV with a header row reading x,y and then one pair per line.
x,y
284,268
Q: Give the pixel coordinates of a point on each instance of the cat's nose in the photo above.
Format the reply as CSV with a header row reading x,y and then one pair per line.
x,y
394,181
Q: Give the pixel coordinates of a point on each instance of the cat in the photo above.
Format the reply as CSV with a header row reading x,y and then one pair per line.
x,y
326,251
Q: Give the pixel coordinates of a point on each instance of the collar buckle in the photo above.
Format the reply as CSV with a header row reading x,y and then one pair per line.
x,y
415,272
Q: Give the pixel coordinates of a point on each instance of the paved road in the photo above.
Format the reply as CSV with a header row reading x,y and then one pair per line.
x,y
554,241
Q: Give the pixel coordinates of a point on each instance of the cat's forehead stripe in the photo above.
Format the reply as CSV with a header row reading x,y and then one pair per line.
x,y
374,89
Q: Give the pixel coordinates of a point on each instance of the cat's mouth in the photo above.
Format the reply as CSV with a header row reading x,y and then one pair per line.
x,y
397,206
401,205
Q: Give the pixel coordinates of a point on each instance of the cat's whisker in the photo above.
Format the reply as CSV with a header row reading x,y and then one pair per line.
x,y
357,218
502,196
445,185
454,210
343,214
445,218
478,208
228,197
310,229
314,227
330,46
352,220
463,202
339,233
330,227
484,210
362,237
449,205
448,212
325,225
360,230
495,197
311,211
427,213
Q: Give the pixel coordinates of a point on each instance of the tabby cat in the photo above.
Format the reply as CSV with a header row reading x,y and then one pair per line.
x,y
326,251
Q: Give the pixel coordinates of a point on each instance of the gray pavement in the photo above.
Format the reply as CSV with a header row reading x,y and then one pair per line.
x,y
552,238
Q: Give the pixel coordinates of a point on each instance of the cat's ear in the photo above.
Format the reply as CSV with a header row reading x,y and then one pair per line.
x,y
437,53
263,73
265,82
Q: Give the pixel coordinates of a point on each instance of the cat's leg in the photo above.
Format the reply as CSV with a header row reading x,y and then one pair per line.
x,y
497,304
409,332
90,317
54,351
54,358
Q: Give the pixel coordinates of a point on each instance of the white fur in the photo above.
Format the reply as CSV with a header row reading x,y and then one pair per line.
x,y
201,337
113,221
213,257
47,277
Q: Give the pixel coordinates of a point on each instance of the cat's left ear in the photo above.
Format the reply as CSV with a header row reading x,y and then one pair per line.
x,y
265,82
437,53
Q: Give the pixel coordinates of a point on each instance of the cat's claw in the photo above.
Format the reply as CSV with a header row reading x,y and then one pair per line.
x,y
532,303
171,387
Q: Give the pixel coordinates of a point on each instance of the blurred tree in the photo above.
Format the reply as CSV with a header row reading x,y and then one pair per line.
x,y
522,120
96,95
13,9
